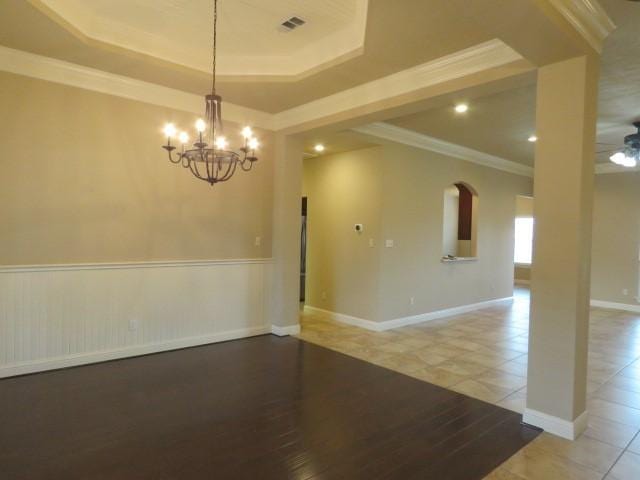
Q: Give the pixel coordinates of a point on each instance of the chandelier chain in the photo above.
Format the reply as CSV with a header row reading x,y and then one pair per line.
x,y
215,42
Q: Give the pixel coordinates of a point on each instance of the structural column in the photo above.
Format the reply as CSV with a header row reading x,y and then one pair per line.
x,y
560,282
284,279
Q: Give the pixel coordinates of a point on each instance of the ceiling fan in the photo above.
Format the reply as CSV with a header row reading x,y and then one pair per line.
x,y
629,154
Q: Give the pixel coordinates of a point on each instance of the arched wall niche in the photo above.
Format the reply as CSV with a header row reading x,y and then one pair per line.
x,y
460,221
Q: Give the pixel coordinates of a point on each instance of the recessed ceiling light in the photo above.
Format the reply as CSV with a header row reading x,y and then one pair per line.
x,y
532,138
461,107
319,148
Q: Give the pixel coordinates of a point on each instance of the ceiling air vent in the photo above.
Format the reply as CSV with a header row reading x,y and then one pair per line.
x,y
291,24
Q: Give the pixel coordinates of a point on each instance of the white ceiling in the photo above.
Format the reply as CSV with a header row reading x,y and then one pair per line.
x,y
250,41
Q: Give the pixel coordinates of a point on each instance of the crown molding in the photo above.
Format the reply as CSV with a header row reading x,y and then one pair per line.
x,y
58,71
478,58
589,19
425,142
454,66
610,167
393,133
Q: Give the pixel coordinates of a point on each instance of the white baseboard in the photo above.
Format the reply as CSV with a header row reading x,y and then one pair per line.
x,y
348,319
518,281
133,351
284,331
557,426
405,321
615,306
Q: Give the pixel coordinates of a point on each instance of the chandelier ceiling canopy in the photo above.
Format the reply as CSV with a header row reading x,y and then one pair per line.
x,y
209,158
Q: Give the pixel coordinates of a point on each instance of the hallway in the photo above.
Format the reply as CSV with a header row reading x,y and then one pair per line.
x,y
483,354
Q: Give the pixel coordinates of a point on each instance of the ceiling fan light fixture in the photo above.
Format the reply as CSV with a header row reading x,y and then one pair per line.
x,y
624,159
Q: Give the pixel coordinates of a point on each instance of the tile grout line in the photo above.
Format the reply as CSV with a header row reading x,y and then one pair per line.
x,y
624,450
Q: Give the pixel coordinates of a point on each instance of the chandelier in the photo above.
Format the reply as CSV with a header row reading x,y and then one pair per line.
x,y
208,158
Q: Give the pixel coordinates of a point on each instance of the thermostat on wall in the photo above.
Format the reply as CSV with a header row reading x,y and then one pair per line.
x,y
358,227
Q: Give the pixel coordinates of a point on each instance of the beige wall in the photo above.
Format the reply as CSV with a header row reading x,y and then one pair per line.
x,y
524,206
84,180
398,193
616,238
343,190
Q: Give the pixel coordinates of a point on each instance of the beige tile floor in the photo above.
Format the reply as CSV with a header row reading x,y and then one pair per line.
x,y
484,355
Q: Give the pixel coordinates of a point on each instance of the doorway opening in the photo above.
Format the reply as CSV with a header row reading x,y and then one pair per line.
x,y
303,249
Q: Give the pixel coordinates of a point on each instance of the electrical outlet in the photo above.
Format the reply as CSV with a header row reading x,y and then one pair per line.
x,y
372,243
388,243
324,295
625,291
412,301
258,241
133,324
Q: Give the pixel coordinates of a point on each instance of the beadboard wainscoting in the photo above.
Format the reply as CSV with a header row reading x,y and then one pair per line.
x,y
65,315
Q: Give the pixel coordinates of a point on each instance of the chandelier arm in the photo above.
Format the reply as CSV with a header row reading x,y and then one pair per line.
x,y
210,165
177,160
193,166
231,169
216,168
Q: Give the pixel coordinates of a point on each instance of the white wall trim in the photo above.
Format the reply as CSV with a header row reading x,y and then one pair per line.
x,y
53,317
348,319
425,142
23,368
405,136
285,331
484,56
589,19
555,425
610,167
405,321
58,71
130,265
519,281
615,306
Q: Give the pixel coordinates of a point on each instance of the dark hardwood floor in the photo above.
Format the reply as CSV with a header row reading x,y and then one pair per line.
x,y
260,408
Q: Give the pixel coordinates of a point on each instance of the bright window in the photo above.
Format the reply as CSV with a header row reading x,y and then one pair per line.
x,y
523,240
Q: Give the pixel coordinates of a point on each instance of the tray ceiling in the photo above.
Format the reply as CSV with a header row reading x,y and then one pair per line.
x,y
250,39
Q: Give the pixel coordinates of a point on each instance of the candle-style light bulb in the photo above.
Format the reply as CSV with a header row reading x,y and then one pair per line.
x,y
253,143
247,133
201,126
169,130
183,137
221,143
